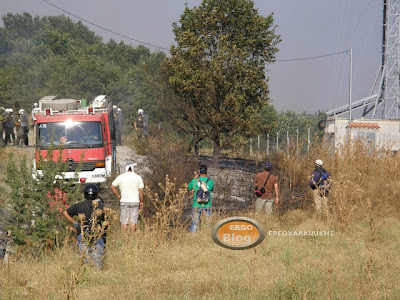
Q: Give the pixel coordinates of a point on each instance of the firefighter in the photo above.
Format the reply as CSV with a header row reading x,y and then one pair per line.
x,y
141,125
22,128
118,124
9,127
2,119
36,110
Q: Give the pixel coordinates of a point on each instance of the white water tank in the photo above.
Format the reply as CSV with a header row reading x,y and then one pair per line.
x,y
59,104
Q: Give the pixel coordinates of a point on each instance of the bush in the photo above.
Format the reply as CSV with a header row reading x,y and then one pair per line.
x,y
36,205
163,157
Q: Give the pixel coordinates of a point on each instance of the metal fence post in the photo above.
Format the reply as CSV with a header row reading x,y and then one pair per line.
x,y
297,142
287,144
277,141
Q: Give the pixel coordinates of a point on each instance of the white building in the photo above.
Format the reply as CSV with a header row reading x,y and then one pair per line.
x,y
378,133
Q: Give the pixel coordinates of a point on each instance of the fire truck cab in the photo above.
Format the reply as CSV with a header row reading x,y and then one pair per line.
x,y
83,138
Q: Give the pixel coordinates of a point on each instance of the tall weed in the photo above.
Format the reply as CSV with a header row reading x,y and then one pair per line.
x,y
166,220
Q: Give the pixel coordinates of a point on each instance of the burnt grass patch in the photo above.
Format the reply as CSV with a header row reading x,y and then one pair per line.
x,y
234,189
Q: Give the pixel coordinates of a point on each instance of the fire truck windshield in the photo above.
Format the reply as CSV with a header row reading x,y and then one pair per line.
x,y
70,134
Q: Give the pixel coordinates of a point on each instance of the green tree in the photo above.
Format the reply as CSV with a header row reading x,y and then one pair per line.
x,y
56,56
35,205
294,123
218,66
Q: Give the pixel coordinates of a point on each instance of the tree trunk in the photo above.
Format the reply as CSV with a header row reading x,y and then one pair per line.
x,y
194,144
217,148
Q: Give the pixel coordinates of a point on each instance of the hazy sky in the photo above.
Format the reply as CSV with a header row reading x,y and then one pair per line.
x,y
307,27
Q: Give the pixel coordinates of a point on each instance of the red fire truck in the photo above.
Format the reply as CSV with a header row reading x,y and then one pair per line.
x,y
83,137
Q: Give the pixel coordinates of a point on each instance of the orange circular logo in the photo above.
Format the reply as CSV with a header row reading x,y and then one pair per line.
x,y
238,233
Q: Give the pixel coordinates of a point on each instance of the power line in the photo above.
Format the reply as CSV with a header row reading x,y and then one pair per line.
x,y
163,48
106,29
311,57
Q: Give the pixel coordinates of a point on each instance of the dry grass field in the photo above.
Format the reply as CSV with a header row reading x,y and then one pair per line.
x,y
194,267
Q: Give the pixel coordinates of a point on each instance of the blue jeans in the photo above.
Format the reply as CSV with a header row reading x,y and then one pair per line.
x,y
196,216
94,251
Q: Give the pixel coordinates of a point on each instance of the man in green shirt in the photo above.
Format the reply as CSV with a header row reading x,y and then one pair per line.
x,y
202,187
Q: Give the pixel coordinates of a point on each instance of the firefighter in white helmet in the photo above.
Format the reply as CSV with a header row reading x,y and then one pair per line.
x,y
35,111
141,124
22,128
320,183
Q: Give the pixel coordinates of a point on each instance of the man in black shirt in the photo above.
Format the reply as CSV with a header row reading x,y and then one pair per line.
x,y
91,226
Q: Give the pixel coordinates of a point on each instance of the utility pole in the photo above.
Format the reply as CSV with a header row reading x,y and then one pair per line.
x,y
350,82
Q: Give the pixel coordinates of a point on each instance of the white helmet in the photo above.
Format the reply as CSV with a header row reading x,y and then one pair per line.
x,y
9,110
114,107
35,105
319,162
21,111
140,111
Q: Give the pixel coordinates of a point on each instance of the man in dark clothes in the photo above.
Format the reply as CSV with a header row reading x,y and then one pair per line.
x,y
9,127
91,225
320,184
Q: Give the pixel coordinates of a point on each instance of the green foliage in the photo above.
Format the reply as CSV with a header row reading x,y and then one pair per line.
x,y
218,67
290,121
268,120
36,204
56,56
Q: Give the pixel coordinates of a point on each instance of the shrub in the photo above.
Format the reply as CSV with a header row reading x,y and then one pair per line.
x,y
36,205
163,157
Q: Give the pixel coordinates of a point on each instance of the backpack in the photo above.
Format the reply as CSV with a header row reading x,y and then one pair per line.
x,y
203,193
323,183
88,226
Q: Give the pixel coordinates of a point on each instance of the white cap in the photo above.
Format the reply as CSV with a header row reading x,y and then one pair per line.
x,y
319,162
35,105
130,165
140,111
21,111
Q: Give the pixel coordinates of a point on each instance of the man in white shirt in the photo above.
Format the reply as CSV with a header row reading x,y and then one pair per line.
x,y
131,198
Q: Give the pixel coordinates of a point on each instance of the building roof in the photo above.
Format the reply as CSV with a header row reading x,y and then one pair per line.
x,y
362,125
